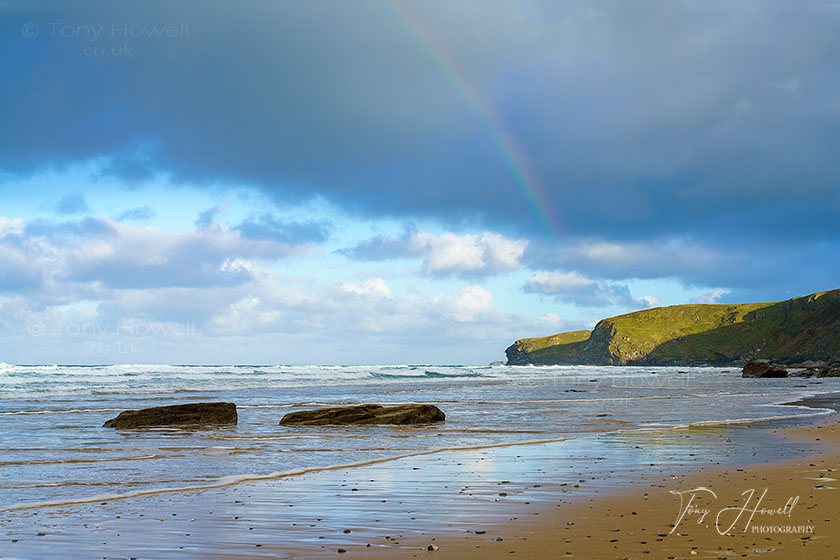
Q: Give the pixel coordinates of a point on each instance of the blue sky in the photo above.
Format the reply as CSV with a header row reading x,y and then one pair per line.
x,y
402,182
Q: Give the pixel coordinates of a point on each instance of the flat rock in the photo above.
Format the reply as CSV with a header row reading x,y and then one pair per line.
x,y
366,414
760,368
193,414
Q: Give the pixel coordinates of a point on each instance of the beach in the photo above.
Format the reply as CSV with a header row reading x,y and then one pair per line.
x,y
397,279
777,510
463,510
502,476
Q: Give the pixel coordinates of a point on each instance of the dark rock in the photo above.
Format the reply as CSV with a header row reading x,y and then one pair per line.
x,y
193,414
828,372
822,371
367,414
761,368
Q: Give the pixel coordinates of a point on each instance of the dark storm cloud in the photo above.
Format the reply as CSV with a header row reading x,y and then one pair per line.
x,y
133,165
707,119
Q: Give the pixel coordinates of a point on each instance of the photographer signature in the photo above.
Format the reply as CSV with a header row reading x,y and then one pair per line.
x,y
747,511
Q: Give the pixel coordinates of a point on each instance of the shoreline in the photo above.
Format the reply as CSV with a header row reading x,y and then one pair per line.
x,y
778,510
541,502
821,405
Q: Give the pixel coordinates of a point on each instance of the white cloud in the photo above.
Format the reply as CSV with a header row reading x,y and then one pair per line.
x,y
225,283
350,310
586,292
247,314
448,253
373,287
648,301
471,304
111,254
273,317
502,253
554,281
710,297
10,226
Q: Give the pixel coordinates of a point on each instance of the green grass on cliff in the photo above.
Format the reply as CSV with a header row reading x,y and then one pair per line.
x,y
552,349
803,328
535,344
643,333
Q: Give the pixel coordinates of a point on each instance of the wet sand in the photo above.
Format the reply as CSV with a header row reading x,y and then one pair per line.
x,y
601,497
797,517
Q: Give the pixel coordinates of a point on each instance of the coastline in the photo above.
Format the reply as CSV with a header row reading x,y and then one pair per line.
x,y
782,509
478,503
793,519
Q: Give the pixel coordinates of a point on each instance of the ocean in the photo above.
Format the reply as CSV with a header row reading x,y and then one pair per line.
x,y
55,451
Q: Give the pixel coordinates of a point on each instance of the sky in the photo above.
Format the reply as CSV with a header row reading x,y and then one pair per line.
x,y
390,181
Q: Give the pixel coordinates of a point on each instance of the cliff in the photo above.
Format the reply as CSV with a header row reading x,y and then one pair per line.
x,y
792,331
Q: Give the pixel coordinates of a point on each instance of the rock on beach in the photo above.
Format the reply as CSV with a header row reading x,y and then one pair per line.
x,y
193,414
366,414
759,368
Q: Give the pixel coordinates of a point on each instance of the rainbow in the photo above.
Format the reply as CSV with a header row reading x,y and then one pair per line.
x,y
500,138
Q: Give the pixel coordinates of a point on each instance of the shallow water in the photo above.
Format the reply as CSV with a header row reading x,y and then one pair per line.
x,y
54,450
430,497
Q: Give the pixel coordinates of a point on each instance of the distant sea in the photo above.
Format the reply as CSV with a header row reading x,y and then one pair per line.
x,y
54,450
